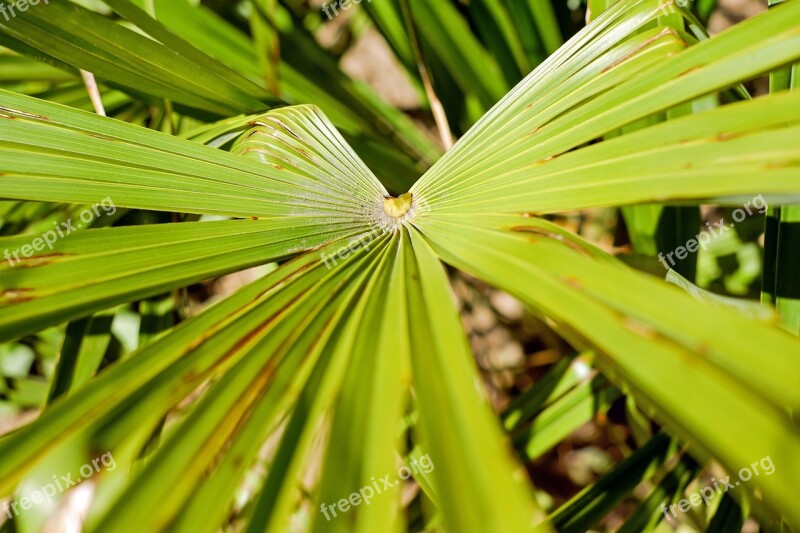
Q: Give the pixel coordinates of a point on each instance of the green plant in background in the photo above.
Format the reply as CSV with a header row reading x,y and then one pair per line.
x,y
346,357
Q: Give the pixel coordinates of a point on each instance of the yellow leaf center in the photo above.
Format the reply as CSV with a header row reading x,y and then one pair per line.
x,y
397,207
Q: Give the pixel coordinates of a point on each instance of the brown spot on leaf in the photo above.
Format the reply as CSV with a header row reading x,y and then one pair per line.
x,y
16,296
689,71
16,113
544,160
37,260
35,264
725,136
550,234
575,283
99,136
642,46
639,328
285,127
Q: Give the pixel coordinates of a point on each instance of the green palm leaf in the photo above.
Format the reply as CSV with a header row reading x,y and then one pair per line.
x,y
350,355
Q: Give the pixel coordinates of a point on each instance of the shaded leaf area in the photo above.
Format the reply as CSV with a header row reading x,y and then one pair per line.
x,y
782,232
583,511
383,136
63,33
448,34
473,53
